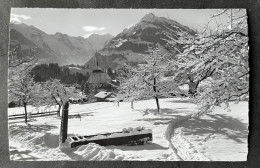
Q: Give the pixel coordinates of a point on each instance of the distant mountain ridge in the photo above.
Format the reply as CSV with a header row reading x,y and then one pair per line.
x,y
58,48
130,43
127,46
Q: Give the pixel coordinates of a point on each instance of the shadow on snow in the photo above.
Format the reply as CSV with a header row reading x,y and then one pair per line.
x,y
32,128
165,111
209,124
149,146
218,124
23,155
179,101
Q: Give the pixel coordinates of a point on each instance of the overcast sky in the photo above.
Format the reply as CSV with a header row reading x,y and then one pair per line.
x,y
84,22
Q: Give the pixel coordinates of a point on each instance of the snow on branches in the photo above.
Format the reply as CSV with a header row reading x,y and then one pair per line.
x,y
130,87
54,92
21,86
215,62
146,80
153,72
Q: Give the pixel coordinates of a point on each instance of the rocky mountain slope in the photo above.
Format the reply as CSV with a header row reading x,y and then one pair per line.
x,y
58,48
129,44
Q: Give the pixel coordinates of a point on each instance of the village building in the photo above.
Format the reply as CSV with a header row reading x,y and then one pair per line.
x,y
103,96
98,78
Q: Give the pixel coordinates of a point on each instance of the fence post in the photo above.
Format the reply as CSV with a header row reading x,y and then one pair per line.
x,y
64,122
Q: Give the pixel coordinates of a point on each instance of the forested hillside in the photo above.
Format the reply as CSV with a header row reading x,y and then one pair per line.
x,y
44,72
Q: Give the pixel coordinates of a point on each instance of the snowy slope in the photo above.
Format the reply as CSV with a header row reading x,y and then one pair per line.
x,y
133,42
41,134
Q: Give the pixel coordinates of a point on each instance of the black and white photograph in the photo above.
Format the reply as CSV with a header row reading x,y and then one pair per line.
x,y
128,84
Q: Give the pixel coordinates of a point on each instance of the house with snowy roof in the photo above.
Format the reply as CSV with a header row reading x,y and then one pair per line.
x,y
103,96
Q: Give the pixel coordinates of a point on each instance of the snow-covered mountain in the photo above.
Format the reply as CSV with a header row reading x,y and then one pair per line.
x,y
129,44
58,48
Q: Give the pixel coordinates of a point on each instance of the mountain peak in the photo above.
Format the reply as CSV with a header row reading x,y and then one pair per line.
x,y
131,44
148,17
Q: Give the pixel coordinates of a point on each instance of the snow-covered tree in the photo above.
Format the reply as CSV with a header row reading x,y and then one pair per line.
x,y
147,80
22,87
54,92
215,62
130,87
152,73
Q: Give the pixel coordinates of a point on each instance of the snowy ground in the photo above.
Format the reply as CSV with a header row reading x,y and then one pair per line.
x,y
219,136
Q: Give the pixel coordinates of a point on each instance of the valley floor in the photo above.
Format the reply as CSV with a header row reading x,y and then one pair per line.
x,y
218,136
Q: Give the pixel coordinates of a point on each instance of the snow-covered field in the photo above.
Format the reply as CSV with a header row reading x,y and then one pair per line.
x,y
219,136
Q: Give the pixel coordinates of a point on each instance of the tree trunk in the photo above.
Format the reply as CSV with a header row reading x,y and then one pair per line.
x,y
192,88
25,111
58,103
157,103
64,122
132,104
156,97
58,113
